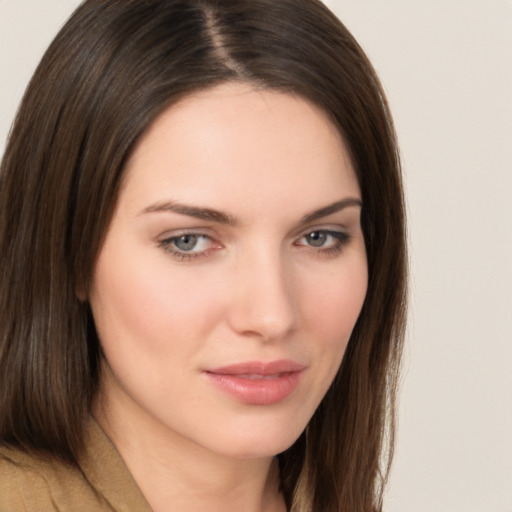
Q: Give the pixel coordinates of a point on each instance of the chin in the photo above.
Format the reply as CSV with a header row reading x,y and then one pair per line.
x,y
257,441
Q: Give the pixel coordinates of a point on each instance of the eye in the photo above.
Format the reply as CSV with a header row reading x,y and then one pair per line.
x,y
324,241
317,238
187,243
187,246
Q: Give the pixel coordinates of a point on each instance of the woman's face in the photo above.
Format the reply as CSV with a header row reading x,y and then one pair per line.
x,y
232,273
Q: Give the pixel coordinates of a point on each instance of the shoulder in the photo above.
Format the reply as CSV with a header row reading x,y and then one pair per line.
x,y
102,482
22,484
31,482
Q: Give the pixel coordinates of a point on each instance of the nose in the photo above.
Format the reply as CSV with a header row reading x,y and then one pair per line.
x,y
263,304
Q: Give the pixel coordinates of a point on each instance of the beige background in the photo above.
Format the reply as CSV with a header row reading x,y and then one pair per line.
x,y
447,68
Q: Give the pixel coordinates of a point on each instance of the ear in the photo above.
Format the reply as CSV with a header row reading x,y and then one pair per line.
x,y
81,292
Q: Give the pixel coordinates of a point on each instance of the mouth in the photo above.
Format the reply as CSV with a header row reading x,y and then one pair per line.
x,y
257,382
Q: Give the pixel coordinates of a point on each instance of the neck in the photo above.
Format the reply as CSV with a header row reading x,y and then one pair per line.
x,y
176,474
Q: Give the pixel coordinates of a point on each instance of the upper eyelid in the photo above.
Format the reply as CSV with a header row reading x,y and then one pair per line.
x,y
207,232
176,233
331,232
213,234
169,238
325,230
328,228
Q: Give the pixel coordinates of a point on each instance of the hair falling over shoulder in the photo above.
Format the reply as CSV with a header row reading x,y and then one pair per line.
x,y
114,66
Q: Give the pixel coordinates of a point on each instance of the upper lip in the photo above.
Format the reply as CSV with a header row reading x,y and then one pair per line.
x,y
263,368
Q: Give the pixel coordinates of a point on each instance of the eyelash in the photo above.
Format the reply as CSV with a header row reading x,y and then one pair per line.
x,y
340,239
168,245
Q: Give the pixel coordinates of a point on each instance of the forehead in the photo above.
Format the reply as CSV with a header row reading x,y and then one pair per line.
x,y
233,141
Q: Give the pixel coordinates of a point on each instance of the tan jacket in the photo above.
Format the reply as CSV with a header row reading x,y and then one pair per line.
x,y
32,484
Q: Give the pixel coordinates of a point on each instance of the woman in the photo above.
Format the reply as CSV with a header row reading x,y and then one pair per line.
x,y
202,265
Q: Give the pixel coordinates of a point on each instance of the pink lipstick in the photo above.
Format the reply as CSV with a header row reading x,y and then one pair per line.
x,y
257,382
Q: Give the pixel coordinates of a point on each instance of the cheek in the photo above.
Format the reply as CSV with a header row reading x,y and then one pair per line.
x,y
150,327
140,290
331,311
137,309
334,306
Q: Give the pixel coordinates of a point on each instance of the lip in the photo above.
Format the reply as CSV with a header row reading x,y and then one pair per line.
x,y
257,382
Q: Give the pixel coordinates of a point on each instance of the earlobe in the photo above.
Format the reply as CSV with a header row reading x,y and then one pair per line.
x,y
81,293
81,296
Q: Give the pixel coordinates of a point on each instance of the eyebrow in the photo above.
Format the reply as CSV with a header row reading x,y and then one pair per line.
x,y
197,212
212,215
330,209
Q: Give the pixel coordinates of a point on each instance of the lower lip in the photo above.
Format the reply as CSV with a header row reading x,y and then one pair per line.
x,y
257,391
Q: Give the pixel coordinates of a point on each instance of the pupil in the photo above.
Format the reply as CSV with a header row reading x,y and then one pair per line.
x,y
316,239
186,242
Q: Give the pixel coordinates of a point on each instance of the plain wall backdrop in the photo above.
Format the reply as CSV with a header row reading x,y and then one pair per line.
x,y
447,69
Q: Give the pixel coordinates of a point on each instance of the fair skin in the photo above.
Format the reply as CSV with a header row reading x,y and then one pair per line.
x,y
225,293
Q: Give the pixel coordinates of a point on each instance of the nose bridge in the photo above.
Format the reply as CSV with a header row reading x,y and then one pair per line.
x,y
264,304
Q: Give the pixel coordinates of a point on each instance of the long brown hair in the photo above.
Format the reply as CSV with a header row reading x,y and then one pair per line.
x,y
111,70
